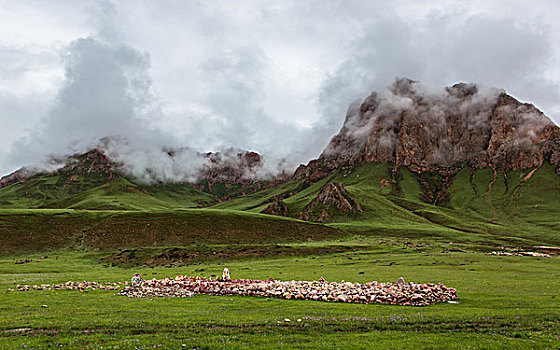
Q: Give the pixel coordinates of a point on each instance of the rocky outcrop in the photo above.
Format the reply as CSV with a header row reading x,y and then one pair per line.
x,y
332,197
17,176
277,207
440,131
70,168
92,162
231,166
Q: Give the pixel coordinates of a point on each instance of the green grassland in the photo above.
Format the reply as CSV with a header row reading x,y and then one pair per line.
x,y
504,302
106,229
95,192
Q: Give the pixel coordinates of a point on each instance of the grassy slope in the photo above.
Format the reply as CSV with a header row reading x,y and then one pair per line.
x,y
41,190
259,200
506,213
44,229
99,193
120,194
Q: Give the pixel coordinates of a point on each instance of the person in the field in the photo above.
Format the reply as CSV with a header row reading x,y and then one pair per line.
x,y
225,274
136,279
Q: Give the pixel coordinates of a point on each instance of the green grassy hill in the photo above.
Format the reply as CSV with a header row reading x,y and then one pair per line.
x,y
50,229
478,207
121,194
95,192
506,210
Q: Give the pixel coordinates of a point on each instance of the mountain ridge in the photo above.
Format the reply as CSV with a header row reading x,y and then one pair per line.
x,y
440,132
409,125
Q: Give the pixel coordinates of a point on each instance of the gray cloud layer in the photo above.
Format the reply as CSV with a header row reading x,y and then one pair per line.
x,y
276,79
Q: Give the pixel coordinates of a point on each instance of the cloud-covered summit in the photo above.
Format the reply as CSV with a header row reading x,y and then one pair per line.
x,y
426,128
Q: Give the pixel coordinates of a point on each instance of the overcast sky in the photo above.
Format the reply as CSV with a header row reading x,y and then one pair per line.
x,y
271,76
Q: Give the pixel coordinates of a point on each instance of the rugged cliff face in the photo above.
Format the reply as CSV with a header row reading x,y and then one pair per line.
x,y
17,176
441,131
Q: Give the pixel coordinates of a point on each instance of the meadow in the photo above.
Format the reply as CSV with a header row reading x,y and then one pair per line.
x,y
504,302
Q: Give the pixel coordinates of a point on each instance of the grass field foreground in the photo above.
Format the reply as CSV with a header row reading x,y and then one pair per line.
x,y
504,302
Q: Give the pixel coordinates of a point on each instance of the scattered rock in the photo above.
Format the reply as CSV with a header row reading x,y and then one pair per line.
x,y
454,249
533,254
537,255
80,286
548,249
415,294
18,330
28,260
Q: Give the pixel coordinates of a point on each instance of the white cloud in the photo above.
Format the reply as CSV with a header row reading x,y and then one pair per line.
x,y
272,77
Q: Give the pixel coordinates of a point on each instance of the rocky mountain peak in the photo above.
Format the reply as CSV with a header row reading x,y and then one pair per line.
x,y
92,162
425,129
19,175
231,165
71,167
